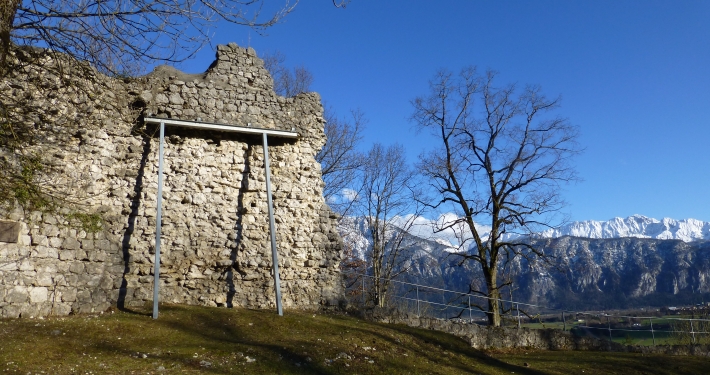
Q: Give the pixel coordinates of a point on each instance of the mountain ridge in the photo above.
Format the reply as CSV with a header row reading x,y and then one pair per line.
x,y
633,269
638,226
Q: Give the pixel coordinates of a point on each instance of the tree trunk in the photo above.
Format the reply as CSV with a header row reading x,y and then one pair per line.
x,y
493,312
376,269
8,9
377,281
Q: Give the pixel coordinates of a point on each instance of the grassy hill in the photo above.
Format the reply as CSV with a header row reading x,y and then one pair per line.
x,y
197,340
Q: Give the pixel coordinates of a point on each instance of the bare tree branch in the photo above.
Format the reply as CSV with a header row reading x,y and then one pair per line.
x,y
130,32
70,40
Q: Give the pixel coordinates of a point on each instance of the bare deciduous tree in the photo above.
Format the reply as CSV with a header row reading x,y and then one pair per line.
x,y
340,159
500,161
386,201
116,36
286,82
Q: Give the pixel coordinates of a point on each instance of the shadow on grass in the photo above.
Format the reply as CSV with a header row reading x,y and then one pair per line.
x,y
219,340
223,331
291,330
448,343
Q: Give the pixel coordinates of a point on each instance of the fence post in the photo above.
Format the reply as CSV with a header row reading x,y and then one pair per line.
x,y
608,322
652,333
564,322
692,330
517,307
363,290
419,315
470,317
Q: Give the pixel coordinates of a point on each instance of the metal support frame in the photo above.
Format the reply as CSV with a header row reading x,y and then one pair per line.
x,y
272,225
653,334
517,308
692,330
564,322
158,224
272,228
363,291
608,322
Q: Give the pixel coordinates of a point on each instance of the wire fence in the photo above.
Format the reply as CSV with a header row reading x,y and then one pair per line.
x,y
682,326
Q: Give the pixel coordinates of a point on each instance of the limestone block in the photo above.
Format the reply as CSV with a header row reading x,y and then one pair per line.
x,y
25,240
83,297
10,311
38,294
87,245
17,295
49,219
98,296
76,267
67,254
50,230
39,240
71,243
61,309
161,99
97,256
44,279
93,268
90,280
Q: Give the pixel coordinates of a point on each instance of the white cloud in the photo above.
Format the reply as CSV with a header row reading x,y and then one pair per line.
x,y
348,195
344,196
441,228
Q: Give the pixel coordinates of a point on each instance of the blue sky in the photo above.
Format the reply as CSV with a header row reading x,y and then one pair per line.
x,y
633,75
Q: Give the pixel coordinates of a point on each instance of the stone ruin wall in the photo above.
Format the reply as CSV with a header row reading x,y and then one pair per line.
x,y
215,247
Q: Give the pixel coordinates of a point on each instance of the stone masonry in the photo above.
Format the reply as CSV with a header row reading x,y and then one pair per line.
x,y
505,338
101,158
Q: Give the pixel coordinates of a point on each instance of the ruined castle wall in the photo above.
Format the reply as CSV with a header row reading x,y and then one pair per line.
x,y
215,247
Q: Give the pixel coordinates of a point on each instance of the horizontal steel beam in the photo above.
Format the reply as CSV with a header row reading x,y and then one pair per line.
x,y
221,127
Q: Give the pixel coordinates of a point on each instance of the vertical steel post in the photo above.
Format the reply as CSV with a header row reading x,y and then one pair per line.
x,y
517,307
564,322
158,224
692,330
418,311
470,316
272,228
608,322
363,291
652,333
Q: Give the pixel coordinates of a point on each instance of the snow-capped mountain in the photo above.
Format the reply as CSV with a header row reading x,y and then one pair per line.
x,y
637,261
638,226
354,231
